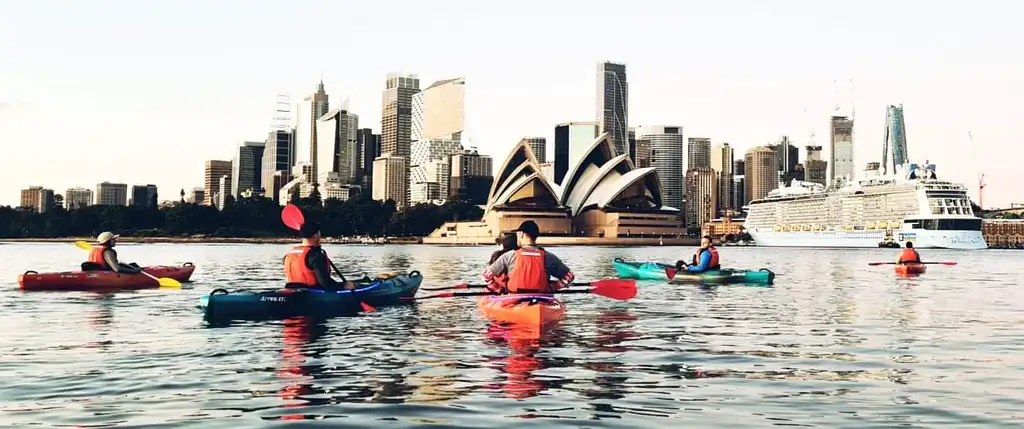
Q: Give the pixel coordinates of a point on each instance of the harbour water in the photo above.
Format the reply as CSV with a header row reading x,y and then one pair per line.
x,y
833,344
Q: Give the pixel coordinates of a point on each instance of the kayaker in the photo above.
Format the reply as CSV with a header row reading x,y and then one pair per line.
x,y
103,257
508,243
307,264
909,255
529,268
707,255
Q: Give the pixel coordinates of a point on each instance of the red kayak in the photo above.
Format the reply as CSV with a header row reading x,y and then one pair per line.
x,y
103,280
910,268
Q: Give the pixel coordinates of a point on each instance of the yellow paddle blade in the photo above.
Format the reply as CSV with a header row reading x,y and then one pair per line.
x,y
83,245
168,282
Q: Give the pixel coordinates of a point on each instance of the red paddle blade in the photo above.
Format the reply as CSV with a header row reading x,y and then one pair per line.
x,y
671,272
292,217
619,289
366,307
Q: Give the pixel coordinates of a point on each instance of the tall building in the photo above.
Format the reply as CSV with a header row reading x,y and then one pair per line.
x,y
438,125
312,107
223,190
430,170
572,139
840,162
278,160
37,198
76,198
815,169
338,147
788,156
197,195
369,150
247,168
739,192
667,150
396,118
214,170
722,161
144,196
472,176
642,153
698,152
631,136
701,197
390,182
539,146
895,138
111,194
613,104
762,172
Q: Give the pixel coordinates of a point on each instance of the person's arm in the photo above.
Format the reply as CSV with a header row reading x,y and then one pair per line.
x,y
557,269
110,257
705,262
317,261
499,266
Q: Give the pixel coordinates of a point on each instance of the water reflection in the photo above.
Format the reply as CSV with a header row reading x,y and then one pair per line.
x,y
525,345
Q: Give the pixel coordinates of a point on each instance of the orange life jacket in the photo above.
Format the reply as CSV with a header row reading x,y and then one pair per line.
x,y
910,255
529,273
295,269
714,265
96,255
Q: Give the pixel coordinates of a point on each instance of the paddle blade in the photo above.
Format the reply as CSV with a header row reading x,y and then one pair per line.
x,y
169,283
292,216
83,245
670,272
942,263
367,307
458,286
619,289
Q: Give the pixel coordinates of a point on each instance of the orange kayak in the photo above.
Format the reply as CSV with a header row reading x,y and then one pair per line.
x,y
523,310
910,268
103,280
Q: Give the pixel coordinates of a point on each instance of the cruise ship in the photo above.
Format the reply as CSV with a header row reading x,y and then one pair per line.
x,y
909,205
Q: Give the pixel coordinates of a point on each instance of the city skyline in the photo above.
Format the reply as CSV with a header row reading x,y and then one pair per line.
x,y
726,98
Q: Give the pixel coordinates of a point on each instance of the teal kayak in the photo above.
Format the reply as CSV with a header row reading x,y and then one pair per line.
x,y
221,305
659,271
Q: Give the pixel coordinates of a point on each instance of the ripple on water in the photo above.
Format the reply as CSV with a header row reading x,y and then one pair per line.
x,y
833,344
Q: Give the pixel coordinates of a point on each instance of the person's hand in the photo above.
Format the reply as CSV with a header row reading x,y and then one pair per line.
x,y
494,287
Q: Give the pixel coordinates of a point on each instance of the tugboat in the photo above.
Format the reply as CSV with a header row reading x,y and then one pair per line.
x,y
888,242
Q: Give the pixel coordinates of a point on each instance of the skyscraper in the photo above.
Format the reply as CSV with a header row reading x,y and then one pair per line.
x,y
701,197
722,161
667,148
895,138
369,150
143,196
247,168
762,175
215,169
37,198
278,159
111,194
438,126
572,139
815,169
539,146
472,176
312,107
337,144
613,104
396,118
698,152
76,198
390,173
788,156
840,161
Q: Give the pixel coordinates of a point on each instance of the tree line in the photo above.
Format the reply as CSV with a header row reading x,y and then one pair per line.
x,y
245,217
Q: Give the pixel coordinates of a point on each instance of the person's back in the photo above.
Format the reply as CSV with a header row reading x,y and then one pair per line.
x,y
306,265
529,268
909,254
508,243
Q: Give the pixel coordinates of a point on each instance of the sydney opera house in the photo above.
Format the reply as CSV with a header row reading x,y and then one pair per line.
x,y
602,198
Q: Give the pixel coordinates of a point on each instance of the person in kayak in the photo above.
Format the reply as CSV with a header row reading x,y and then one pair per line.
x,y
103,257
529,268
307,265
508,243
705,259
909,255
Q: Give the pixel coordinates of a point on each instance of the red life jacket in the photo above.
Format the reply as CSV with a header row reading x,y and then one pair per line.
x,y
910,255
714,265
529,274
295,269
96,255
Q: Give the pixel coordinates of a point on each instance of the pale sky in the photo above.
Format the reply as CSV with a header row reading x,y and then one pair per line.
x,y
145,91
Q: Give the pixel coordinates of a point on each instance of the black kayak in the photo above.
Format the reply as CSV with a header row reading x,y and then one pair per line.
x,y
278,304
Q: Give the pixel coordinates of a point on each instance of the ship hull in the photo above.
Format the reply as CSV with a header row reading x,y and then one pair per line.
x,y
922,239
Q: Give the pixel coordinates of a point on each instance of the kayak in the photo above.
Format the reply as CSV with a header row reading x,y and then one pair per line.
x,y
521,310
659,271
387,289
103,280
910,268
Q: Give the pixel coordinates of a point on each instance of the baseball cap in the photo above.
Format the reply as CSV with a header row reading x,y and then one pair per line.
x,y
529,228
309,229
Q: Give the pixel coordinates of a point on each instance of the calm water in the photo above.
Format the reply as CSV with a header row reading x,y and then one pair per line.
x,y
834,343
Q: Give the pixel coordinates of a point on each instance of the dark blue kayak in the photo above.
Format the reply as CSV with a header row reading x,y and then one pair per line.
x,y
278,304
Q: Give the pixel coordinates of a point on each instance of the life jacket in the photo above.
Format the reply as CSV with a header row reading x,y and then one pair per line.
x,y
910,255
529,274
96,256
714,265
295,269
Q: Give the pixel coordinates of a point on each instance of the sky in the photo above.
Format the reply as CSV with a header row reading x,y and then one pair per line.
x,y
144,92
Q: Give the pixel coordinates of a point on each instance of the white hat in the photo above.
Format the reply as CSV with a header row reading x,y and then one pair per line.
x,y
106,236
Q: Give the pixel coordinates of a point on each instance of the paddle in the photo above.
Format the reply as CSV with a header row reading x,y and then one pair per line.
x,y
611,283
619,289
293,218
923,263
162,281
